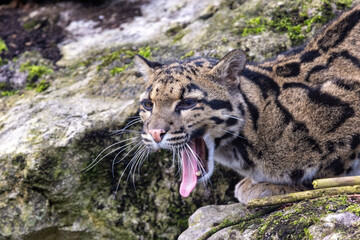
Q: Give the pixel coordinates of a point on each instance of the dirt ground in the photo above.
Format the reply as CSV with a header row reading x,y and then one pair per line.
x,y
22,30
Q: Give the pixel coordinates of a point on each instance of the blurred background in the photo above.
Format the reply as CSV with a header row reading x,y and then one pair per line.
x,y
68,84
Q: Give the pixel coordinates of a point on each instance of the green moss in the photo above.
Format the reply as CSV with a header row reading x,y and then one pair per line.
x,y
6,90
122,58
188,54
307,234
354,209
255,26
178,37
145,52
295,221
293,20
42,86
3,46
34,73
343,3
8,93
116,70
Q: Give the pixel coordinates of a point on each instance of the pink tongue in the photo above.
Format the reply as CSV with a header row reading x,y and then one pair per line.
x,y
189,177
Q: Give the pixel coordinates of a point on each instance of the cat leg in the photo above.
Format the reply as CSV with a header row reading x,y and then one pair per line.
x,y
245,190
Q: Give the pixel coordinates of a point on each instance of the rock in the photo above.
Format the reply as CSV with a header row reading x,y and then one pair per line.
x,y
322,218
205,218
50,133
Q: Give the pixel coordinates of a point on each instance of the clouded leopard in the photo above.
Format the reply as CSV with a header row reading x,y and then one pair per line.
x,y
283,122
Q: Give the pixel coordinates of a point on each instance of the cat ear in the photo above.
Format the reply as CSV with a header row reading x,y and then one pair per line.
x,y
230,66
145,67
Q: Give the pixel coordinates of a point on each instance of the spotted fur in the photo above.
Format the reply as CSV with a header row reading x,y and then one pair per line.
x,y
283,121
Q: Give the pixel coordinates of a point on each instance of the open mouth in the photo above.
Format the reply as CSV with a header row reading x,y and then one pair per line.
x,y
197,165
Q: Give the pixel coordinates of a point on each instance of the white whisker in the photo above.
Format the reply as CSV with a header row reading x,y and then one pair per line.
x,y
116,162
131,123
197,157
96,161
233,134
127,166
231,116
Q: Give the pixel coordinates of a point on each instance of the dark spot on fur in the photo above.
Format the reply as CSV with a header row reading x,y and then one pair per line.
x,y
296,175
231,121
193,71
269,69
344,85
309,56
330,146
235,153
149,88
313,144
254,112
295,85
336,166
199,63
191,87
336,34
326,99
176,138
189,78
217,120
355,141
182,93
287,116
242,109
350,57
297,126
315,69
198,132
288,70
266,84
242,146
219,104
318,97
352,156
219,139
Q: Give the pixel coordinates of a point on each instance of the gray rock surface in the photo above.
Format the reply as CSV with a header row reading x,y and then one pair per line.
x,y
323,218
48,137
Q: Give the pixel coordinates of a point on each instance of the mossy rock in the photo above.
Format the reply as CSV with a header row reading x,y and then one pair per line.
x,y
310,219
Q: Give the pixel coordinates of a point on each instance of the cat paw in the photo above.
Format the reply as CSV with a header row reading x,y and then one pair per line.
x,y
246,190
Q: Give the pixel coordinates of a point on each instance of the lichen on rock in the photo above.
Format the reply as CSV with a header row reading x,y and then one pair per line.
x,y
48,137
321,218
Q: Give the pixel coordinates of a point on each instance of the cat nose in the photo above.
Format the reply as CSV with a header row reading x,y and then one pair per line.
x,y
157,134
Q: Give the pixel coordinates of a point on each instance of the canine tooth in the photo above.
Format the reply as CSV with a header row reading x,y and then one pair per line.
x,y
198,173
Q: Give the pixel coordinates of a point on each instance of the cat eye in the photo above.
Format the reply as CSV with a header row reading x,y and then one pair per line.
x,y
186,104
147,104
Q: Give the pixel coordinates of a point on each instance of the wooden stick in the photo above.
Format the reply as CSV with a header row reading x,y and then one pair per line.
x,y
336,182
294,197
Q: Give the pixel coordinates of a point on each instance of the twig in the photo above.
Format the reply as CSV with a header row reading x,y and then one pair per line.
x,y
336,182
294,197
